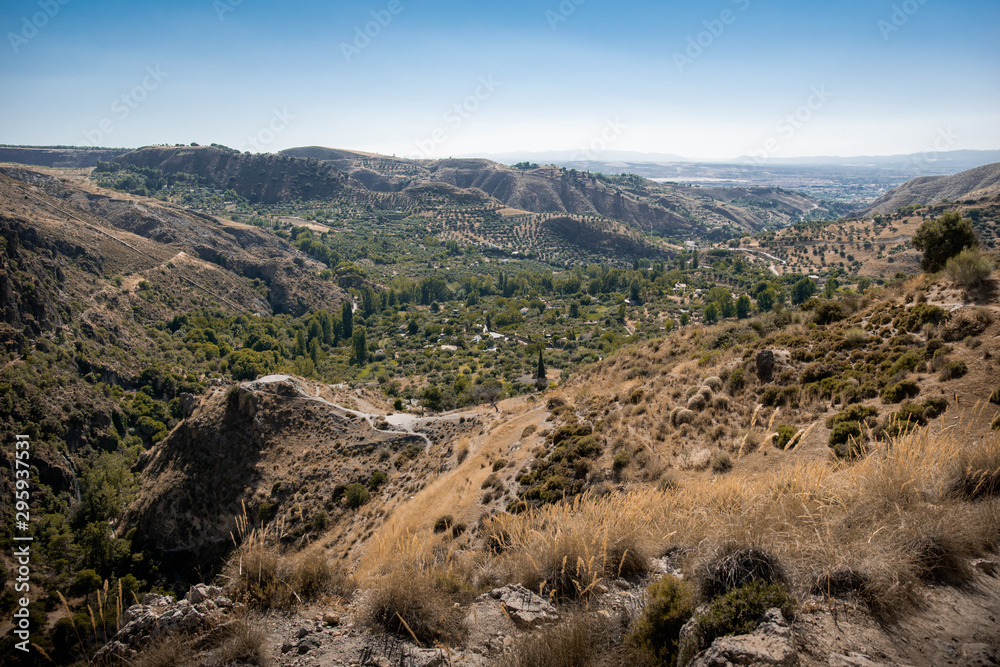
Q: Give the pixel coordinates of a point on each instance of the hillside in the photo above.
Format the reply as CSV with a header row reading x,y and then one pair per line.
x,y
683,450
968,185
662,208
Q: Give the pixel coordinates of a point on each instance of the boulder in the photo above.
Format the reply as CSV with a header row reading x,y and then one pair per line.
x,y
524,607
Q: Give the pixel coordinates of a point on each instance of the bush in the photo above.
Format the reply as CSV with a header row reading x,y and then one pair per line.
x,y
622,459
970,269
722,462
942,238
377,480
903,389
356,495
670,602
784,435
935,406
953,370
736,613
845,428
734,566
443,523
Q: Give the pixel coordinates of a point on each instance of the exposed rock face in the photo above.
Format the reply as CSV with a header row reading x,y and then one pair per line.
x,y
524,607
765,365
203,607
770,644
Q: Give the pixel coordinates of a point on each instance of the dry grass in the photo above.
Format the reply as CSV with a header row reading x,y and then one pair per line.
x,y
261,575
413,584
240,641
875,529
578,641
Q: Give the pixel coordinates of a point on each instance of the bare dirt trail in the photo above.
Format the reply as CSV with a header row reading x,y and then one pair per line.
x,y
457,492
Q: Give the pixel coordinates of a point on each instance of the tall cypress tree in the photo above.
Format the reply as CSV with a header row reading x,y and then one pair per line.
x,y
347,318
540,373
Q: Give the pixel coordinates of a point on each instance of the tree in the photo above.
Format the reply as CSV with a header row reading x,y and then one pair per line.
x,y
347,319
942,238
830,289
540,372
743,307
360,341
803,290
711,313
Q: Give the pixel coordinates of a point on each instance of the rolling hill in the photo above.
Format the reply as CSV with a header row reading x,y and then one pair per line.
x,y
971,184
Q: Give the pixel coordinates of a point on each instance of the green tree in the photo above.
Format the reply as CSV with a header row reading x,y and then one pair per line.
x,y
360,341
540,371
942,238
743,307
711,313
830,289
803,290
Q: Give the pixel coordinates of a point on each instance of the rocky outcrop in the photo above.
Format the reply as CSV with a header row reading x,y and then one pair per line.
x,y
525,608
203,609
770,644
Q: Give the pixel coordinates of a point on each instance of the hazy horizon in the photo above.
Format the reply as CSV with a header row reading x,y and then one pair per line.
x,y
710,82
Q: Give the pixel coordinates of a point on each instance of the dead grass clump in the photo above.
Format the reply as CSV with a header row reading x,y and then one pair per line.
x,y
565,550
413,586
734,565
575,642
240,641
697,402
976,473
681,416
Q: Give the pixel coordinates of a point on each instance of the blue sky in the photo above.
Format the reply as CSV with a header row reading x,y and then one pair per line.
x,y
710,79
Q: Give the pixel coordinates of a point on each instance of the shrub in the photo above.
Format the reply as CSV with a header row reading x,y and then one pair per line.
x,y
970,269
574,642
356,495
722,462
784,435
736,613
458,529
463,452
935,406
942,238
903,389
266,511
953,370
667,482
734,566
670,602
621,461
909,417
499,464
377,480
737,381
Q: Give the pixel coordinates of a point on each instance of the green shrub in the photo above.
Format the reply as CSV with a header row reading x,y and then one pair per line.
x,y
901,390
266,511
443,523
935,406
670,602
621,461
846,428
970,269
784,435
377,480
499,464
736,613
953,370
355,495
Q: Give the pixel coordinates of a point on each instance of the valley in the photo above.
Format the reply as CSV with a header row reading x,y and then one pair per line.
x,y
367,398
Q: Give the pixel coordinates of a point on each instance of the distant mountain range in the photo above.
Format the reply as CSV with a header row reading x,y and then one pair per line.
x,y
932,162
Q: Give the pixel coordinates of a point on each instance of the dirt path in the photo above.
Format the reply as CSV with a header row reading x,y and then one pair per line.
x,y
458,492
